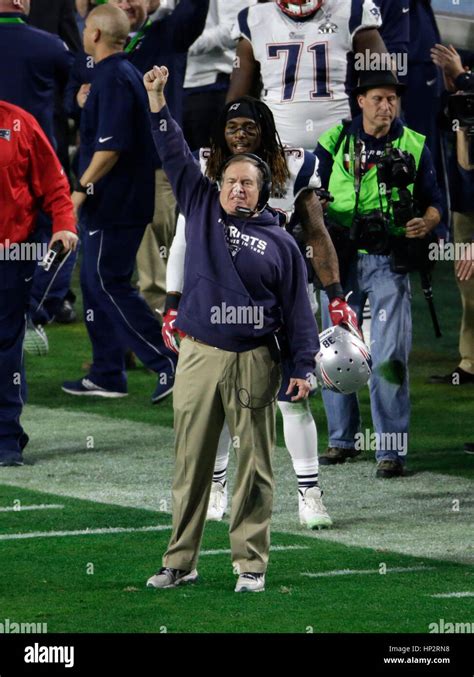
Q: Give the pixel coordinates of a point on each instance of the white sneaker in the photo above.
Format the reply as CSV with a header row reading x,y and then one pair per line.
x,y
167,577
313,514
217,501
250,582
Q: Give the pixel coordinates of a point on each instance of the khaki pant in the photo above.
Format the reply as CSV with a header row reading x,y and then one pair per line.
x,y
153,254
205,393
464,232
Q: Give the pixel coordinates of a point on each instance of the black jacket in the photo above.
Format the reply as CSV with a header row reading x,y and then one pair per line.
x,y
58,17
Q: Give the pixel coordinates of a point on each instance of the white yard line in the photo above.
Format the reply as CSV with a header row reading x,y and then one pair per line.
x,y
426,515
23,508
450,595
365,572
273,548
81,532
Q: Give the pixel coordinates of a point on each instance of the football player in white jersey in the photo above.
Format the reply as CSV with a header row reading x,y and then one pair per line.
x,y
247,126
300,50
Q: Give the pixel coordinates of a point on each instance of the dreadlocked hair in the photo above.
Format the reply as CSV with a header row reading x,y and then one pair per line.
x,y
271,148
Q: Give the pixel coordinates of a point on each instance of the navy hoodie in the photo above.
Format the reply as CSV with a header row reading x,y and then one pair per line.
x,y
267,272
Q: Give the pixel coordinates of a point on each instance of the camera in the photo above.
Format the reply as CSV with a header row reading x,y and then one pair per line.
x,y
371,232
396,169
403,208
461,108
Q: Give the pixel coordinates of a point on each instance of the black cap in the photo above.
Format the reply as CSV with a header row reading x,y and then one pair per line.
x,y
375,79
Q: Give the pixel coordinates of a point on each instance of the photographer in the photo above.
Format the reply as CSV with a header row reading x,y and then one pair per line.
x,y
459,99
380,173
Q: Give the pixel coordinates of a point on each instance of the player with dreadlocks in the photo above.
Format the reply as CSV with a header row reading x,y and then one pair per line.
x,y
247,126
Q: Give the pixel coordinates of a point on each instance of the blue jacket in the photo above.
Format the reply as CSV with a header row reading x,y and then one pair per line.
x,y
166,43
34,65
115,118
267,273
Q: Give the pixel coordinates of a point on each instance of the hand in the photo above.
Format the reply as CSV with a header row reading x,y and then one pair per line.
x,y
417,228
155,81
341,313
171,335
78,200
82,94
465,267
68,239
448,59
303,386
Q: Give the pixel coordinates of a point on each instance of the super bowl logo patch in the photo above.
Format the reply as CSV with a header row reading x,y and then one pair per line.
x,y
6,134
327,27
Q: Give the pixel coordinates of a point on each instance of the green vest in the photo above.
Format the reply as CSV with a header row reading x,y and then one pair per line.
x,y
341,183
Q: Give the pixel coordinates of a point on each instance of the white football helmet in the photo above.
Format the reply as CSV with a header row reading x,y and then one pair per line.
x,y
343,363
297,8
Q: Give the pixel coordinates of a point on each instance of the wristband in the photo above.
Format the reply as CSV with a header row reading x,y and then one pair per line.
x,y
79,188
172,302
334,291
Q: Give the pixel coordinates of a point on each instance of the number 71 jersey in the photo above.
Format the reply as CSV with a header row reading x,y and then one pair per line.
x,y
304,63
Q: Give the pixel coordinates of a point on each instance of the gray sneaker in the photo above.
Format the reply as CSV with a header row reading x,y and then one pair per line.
x,y
36,341
250,582
168,577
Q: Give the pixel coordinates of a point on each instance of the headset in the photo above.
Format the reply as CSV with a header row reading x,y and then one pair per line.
x,y
265,190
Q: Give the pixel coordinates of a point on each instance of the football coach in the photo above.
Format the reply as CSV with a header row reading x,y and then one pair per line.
x,y
244,281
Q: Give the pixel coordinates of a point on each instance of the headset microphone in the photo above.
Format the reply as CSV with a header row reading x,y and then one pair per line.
x,y
245,212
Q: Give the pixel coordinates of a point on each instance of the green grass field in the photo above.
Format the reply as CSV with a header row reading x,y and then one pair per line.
x,y
106,467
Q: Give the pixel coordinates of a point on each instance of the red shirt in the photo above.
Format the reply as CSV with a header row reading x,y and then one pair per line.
x,y
30,177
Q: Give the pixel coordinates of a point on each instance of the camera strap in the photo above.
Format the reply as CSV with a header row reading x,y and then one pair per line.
x,y
359,158
385,188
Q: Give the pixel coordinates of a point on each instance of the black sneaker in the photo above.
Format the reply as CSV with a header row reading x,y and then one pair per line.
x,y
85,387
469,447
164,386
10,461
458,377
66,313
167,577
388,469
335,455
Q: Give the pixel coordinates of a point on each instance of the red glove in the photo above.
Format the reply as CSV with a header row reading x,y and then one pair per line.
x,y
171,335
341,313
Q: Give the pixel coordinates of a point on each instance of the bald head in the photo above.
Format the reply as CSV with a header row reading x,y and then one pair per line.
x,y
106,25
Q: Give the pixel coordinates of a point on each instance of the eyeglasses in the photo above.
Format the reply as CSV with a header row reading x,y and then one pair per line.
x,y
249,128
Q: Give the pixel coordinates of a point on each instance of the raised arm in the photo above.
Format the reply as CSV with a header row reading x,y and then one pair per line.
x,y
189,186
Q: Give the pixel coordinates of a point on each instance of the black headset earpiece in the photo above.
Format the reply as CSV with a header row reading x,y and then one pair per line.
x,y
266,189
